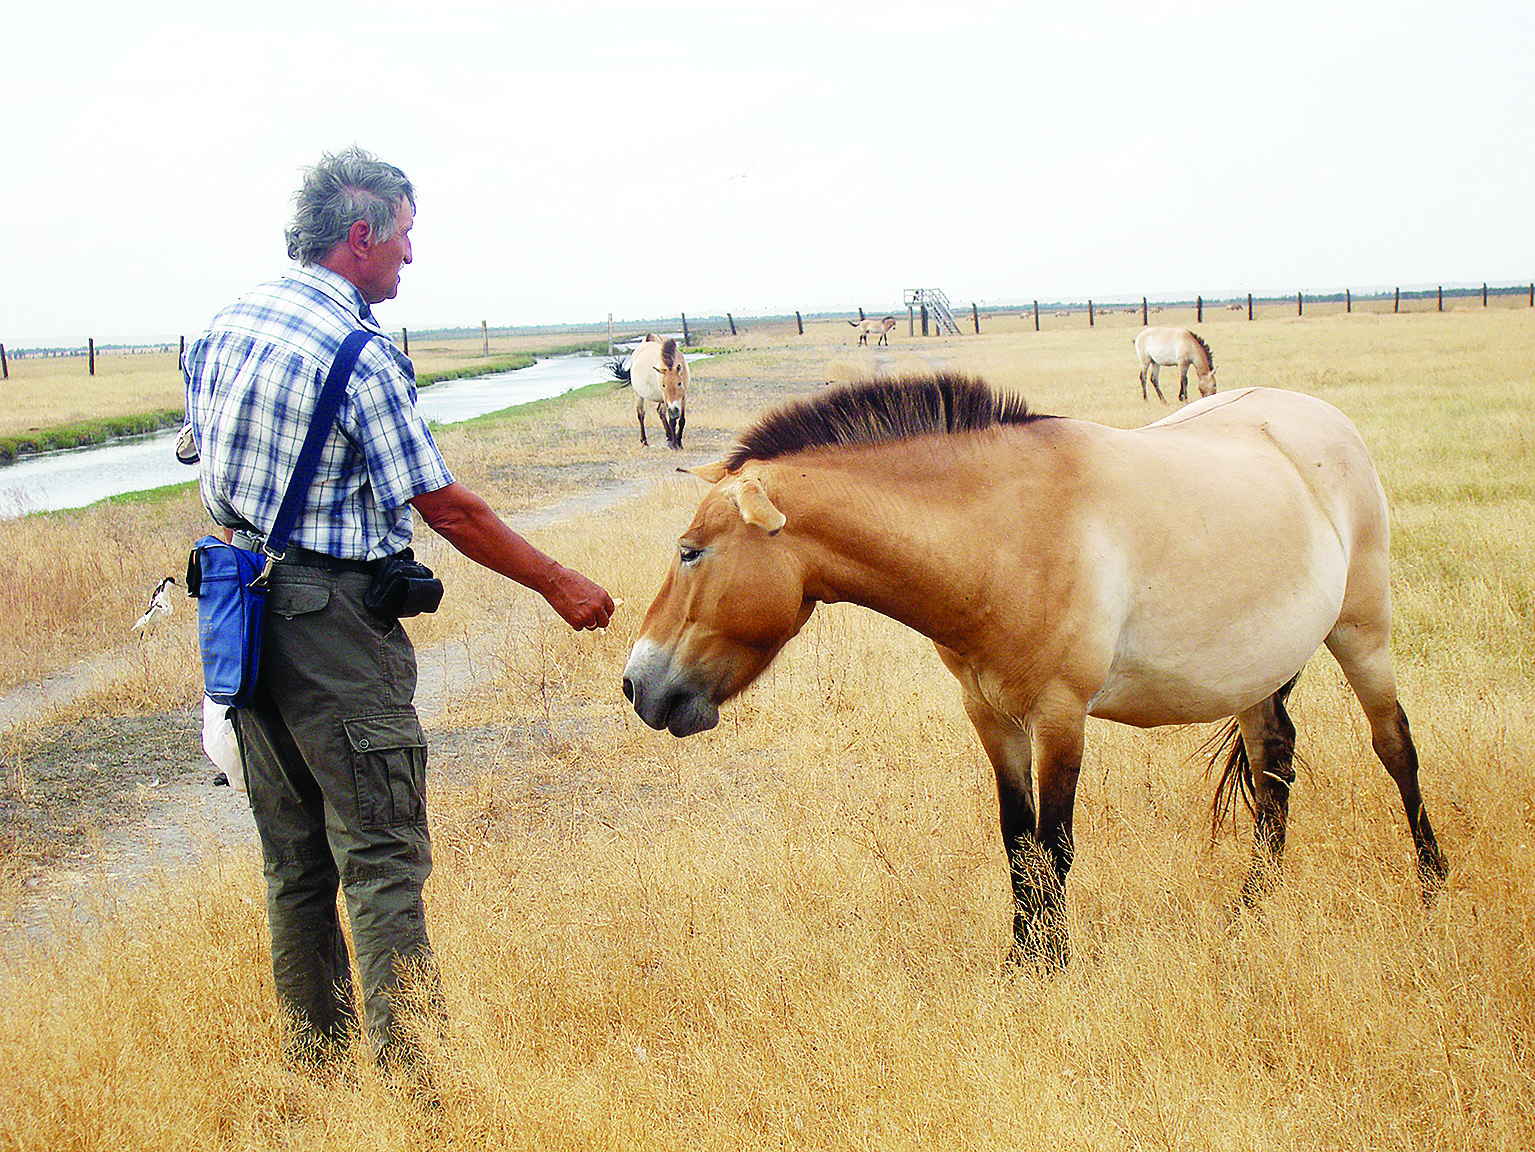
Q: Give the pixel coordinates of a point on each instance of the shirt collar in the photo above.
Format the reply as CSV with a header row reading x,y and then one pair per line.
x,y
339,289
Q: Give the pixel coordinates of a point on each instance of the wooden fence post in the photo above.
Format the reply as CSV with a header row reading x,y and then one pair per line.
x,y
1441,297
1089,313
1348,300
1484,294
1144,312
1249,305
924,317
732,320
5,369
686,340
484,338
181,356
1199,309
92,342
405,339
1036,315
975,318
800,324
1396,303
1532,295
1300,305
861,318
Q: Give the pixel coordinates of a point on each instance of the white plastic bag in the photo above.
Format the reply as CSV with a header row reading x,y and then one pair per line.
x,y
220,744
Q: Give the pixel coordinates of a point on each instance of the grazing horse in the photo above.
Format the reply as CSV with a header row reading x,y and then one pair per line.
x,y
659,373
1163,347
1045,559
884,327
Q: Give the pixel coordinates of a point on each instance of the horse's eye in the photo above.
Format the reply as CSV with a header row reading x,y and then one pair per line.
x,y
688,555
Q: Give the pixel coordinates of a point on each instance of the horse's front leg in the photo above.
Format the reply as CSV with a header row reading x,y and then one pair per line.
x,y
1183,383
1037,840
1057,730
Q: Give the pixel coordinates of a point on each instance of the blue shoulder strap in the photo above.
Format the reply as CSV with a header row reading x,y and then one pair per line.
x,y
325,410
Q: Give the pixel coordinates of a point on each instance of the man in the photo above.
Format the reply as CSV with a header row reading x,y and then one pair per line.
x,y
335,759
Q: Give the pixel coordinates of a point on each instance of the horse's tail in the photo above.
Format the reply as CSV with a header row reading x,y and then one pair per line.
x,y
620,371
1209,356
1236,778
854,323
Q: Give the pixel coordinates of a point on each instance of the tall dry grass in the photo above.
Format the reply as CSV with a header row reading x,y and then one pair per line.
x,y
790,931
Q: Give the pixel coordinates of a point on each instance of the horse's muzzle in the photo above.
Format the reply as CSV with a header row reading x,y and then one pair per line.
x,y
662,697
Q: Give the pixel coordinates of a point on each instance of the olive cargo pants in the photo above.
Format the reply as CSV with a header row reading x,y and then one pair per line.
x,y
335,766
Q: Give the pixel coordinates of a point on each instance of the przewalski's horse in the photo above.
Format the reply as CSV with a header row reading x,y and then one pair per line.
x,y
1163,347
658,371
1059,580
883,327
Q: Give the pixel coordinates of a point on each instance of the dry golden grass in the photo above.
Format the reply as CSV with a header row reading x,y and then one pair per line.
x,y
790,931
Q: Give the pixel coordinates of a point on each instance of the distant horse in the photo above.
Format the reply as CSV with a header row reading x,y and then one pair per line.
x,y
659,373
1059,580
883,327
1163,347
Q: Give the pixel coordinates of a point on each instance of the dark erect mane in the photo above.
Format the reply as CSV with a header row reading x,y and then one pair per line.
x,y
880,411
1209,356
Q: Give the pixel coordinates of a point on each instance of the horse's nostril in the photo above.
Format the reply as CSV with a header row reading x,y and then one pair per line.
x,y
628,689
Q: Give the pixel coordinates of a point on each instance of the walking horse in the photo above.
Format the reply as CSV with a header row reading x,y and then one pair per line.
x,y
658,371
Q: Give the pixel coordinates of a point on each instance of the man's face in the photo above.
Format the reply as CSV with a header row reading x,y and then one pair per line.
x,y
379,277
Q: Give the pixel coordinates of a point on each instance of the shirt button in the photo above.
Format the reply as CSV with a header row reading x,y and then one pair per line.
x,y
364,744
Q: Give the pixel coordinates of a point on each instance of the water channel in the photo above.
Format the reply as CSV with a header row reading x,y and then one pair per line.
x,y
82,476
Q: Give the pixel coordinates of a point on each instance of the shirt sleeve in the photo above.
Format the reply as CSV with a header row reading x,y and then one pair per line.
x,y
402,458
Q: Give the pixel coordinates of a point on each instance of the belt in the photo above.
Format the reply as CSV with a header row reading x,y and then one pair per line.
x,y
304,558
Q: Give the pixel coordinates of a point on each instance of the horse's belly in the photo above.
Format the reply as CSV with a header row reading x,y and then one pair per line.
x,y
1188,671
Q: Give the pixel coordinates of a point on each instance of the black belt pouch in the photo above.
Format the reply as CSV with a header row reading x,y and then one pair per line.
x,y
403,587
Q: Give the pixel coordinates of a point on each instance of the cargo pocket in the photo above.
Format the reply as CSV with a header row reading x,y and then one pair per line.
x,y
290,600
389,767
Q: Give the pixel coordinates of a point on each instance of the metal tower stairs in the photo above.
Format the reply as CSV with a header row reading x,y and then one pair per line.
x,y
937,306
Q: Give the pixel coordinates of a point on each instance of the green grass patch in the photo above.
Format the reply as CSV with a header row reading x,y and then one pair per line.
x,y
84,433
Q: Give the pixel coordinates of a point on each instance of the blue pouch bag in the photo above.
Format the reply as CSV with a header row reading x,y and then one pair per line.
x,y
231,614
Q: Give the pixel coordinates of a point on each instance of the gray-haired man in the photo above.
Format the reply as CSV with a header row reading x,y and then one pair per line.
x,y
335,758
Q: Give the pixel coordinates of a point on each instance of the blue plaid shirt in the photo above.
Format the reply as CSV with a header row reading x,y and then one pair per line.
x,y
252,383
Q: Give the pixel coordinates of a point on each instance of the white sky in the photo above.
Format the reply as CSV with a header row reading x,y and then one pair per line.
x,y
651,157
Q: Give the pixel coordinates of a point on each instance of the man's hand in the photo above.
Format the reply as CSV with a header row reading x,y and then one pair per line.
x,y
467,522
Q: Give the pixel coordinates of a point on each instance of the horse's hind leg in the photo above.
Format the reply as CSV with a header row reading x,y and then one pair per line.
x,y
1156,374
1268,738
639,411
1363,652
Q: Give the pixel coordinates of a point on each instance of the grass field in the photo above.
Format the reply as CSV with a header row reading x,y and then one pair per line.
x,y
790,931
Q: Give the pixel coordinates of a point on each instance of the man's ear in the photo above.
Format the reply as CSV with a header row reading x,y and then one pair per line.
x,y
359,237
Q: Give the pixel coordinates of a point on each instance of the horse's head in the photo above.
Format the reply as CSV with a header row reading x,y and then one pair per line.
x,y
674,378
734,596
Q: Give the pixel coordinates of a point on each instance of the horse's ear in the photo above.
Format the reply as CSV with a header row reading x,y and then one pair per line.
x,y
713,473
755,507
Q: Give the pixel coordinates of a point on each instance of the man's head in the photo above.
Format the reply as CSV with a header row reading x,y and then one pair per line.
x,y
353,215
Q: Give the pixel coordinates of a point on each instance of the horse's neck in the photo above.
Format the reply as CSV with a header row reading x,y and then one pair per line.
x,y
899,543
